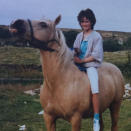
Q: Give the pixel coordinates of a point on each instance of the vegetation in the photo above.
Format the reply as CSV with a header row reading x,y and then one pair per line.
x,y
70,37
19,56
112,45
109,45
24,62
17,108
127,44
4,33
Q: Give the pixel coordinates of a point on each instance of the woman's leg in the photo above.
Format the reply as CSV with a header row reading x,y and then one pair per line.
x,y
95,101
93,77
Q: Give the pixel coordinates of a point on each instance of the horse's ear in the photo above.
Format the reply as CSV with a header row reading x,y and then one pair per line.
x,y
57,20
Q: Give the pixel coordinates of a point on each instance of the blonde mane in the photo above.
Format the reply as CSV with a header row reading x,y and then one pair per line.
x,y
64,53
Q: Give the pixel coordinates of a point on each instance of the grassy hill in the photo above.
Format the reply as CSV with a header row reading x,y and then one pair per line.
x,y
28,56
24,62
120,36
17,108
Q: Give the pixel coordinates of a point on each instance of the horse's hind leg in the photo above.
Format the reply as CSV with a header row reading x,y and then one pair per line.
x,y
76,122
50,122
101,123
114,111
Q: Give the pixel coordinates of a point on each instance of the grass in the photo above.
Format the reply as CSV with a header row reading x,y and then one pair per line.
x,y
14,111
19,56
119,57
19,62
20,71
17,108
29,56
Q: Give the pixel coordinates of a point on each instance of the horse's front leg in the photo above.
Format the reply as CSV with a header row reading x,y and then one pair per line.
x,y
76,122
50,122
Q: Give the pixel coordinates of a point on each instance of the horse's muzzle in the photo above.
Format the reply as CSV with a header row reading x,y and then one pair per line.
x,y
18,27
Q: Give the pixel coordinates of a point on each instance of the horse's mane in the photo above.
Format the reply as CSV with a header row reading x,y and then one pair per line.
x,y
65,54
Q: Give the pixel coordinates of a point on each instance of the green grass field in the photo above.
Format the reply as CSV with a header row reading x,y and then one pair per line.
x,y
28,56
17,108
24,58
19,55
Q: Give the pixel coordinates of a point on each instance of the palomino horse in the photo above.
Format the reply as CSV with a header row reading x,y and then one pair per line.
x,y
66,92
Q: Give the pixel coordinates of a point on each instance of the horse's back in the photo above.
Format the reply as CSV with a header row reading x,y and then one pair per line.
x,y
112,71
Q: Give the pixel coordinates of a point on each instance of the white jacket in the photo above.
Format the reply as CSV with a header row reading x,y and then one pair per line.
x,y
95,48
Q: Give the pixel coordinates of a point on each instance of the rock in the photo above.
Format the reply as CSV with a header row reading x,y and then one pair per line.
x,y
22,128
127,91
127,86
30,92
41,112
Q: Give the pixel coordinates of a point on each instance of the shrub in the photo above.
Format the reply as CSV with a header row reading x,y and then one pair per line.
x,y
70,37
127,44
111,45
4,33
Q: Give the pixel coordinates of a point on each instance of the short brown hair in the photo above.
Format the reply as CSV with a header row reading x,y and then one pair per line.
x,y
88,13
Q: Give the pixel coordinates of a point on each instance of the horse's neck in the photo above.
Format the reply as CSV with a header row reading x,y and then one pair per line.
x,y
53,66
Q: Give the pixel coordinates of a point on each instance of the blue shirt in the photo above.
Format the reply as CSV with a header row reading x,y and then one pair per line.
x,y
83,49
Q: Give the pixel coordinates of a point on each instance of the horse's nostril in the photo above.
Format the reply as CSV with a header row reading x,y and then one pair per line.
x,y
13,30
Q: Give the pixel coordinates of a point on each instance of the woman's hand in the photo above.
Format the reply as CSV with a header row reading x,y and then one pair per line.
x,y
77,51
77,60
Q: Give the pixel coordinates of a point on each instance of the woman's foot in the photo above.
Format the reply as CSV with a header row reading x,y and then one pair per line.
x,y
96,125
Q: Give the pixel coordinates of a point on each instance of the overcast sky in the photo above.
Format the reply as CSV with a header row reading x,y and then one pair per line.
x,y
114,15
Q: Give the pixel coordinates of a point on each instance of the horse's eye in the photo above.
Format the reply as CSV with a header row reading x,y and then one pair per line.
x,y
43,24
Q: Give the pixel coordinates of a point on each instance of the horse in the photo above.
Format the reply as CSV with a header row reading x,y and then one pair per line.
x,y
66,91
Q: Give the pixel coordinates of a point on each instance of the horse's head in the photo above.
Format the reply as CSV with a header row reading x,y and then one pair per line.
x,y
35,31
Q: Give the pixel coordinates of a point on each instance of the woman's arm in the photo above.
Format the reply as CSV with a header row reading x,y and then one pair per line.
x,y
97,51
85,60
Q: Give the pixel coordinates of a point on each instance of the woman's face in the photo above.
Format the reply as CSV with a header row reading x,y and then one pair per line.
x,y
85,24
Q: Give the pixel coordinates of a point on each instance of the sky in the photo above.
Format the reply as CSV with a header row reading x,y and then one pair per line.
x,y
111,15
